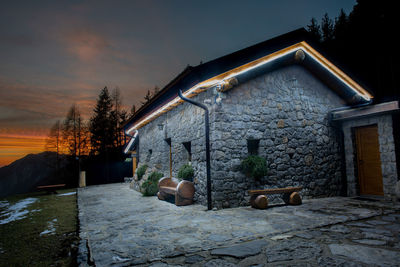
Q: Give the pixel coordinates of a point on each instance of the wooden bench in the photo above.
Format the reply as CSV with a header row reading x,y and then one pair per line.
x,y
290,195
182,190
50,189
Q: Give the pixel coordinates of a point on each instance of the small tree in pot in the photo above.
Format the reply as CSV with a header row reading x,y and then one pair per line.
x,y
186,172
150,186
254,166
141,171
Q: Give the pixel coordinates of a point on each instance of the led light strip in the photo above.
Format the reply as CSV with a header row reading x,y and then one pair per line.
x,y
336,71
202,86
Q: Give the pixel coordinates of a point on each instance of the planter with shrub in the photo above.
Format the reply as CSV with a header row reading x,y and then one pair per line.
x,y
141,171
150,186
186,172
254,166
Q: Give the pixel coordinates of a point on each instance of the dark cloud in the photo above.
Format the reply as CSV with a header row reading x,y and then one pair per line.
x,y
16,40
57,53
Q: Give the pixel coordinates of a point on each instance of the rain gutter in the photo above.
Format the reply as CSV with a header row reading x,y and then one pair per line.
x,y
207,132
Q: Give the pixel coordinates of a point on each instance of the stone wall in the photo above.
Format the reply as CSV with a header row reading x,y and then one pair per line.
x,y
185,123
386,149
287,110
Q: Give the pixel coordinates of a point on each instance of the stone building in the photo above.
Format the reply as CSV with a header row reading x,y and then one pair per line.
x,y
280,99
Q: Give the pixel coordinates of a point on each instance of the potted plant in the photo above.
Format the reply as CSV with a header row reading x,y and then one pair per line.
x,y
254,166
186,173
150,186
141,171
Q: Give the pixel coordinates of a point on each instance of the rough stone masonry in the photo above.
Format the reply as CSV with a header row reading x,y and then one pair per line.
x,y
285,111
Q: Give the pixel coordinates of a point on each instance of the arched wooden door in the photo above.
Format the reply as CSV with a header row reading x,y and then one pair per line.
x,y
368,160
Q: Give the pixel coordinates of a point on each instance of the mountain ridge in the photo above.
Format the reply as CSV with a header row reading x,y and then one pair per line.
x,y
25,174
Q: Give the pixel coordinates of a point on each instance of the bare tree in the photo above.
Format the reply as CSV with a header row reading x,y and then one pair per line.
x,y
75,133
54,143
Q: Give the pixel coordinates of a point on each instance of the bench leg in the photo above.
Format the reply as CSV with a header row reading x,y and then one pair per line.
x,y
161,195
295,199
181,201
259,201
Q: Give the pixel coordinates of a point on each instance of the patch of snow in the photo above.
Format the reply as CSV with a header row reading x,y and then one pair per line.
x,y
119,259
35,210
67,194
17,211
3,204
47,231
50,228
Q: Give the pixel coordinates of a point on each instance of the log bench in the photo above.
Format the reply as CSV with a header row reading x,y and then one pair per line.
x,y
182,190
290,195
50,189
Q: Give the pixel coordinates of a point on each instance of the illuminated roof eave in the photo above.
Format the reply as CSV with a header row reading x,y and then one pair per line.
x,y
130,143
221,78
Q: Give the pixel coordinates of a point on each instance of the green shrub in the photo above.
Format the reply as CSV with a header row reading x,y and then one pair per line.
x,y
155,176
254,166
150,186
141,171
186,172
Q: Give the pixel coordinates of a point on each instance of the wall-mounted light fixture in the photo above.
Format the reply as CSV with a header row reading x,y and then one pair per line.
x,y
160,126
218,98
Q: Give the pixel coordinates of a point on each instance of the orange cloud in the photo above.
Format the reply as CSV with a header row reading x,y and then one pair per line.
x,y
13,147
86,45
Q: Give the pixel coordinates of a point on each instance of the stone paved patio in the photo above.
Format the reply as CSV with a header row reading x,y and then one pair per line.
x,y
119,227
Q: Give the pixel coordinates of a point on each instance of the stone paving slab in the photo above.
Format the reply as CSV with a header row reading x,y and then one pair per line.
x,y
119,227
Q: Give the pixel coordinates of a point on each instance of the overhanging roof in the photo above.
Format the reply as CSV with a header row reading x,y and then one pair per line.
x,y
360,112
290,48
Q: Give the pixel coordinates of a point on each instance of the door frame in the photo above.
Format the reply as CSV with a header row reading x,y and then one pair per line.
x,y
358,160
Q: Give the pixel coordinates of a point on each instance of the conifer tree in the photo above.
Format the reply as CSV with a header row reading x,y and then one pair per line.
x,y
118,116
133,111
314,30
147,97
327,28
102,127
341,25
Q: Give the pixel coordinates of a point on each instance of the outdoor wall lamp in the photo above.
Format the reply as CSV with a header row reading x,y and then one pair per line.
x,y
160,126
218,98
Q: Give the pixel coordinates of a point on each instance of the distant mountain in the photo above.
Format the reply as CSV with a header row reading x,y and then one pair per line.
x,y
23,175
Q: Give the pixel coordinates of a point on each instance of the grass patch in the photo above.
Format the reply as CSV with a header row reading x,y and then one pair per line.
x,y
44,233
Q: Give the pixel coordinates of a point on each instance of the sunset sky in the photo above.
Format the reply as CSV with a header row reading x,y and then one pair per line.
x,y
57,53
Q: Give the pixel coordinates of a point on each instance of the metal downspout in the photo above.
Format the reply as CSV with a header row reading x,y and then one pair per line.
x,y
207,129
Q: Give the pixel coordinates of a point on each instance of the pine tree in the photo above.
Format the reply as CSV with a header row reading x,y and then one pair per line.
x,y
156,90
341,26
327,28
314,30
102,126
133,111
147,97
119,117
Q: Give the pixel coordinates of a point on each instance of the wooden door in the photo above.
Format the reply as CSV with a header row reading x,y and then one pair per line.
x,y
368,161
